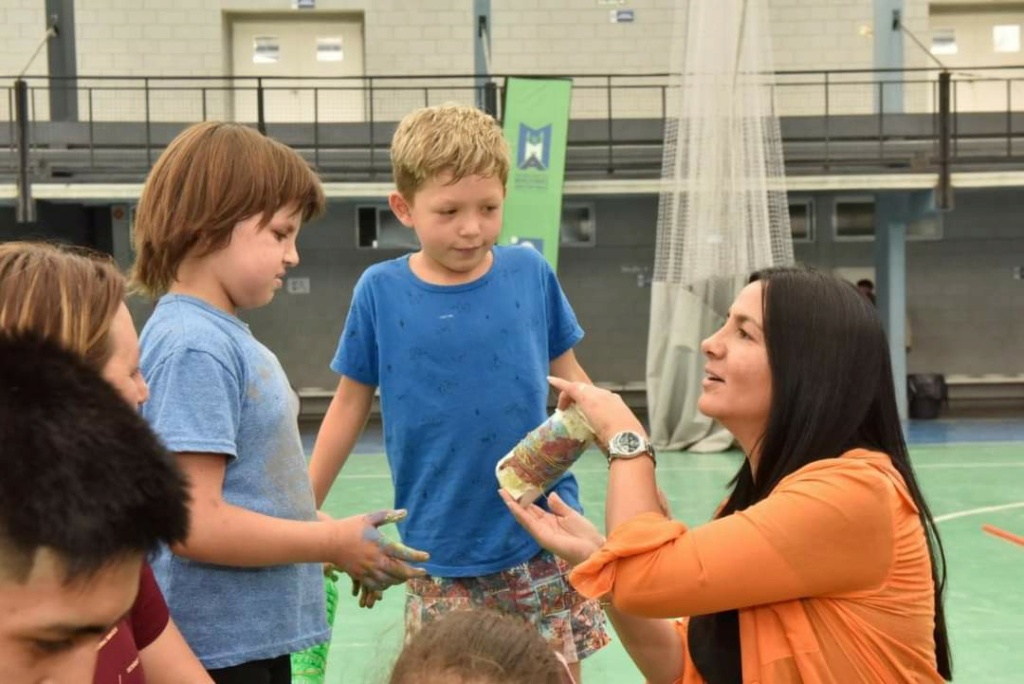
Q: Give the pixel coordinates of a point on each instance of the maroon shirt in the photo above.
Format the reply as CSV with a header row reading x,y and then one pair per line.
x,y
118,661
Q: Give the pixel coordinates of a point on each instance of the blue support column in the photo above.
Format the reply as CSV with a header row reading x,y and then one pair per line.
x,y
482,50
888,55
891,215
63,61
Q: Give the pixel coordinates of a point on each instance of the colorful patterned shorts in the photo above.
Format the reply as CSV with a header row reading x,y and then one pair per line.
x,y
538,591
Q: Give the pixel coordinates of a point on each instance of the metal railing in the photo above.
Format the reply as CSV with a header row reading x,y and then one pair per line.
x,y
830,120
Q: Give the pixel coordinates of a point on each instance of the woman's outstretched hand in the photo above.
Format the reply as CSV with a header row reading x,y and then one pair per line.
x,y
563,531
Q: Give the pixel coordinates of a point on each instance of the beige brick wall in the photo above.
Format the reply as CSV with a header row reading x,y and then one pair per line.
x,y
577,37
22,23
424,37
188,37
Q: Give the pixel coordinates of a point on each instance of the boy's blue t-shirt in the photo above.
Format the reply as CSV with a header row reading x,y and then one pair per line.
x,y
462,372
215,389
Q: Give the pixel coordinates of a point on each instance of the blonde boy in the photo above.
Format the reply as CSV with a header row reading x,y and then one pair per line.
x,y
216,232
460,337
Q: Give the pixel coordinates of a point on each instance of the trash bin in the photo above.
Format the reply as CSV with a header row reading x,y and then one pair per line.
x,y
926,393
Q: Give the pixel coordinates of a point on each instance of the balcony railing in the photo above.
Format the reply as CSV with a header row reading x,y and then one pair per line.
x,y
113,128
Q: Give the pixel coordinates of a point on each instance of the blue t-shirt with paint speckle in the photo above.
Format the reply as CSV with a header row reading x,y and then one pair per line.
x,y
215,389
462,371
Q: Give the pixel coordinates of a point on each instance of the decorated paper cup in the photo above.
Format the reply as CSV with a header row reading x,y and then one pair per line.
x,y
544,455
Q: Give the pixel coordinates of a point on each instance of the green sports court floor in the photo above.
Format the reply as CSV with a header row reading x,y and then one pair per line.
x,y
972,473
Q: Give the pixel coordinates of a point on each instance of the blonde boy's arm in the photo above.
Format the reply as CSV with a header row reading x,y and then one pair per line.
x,y
341,427
568,368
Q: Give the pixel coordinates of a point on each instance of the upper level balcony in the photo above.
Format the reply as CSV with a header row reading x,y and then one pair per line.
x,y
111,129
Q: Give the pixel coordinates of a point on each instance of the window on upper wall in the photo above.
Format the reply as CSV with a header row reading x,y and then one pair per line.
x,y
578,227
944,42
265,50
329,50
377,227
855,220
801,220
1006,38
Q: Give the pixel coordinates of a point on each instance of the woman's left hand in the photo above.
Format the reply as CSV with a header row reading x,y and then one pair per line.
x,y
563,531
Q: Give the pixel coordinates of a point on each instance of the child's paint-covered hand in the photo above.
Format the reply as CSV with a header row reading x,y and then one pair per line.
x,y
367,597
361,551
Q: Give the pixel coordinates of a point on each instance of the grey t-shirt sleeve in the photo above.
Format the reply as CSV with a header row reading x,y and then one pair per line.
x,y
195,403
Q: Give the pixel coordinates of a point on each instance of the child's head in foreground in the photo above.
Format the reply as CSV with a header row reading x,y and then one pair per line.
x,y
478,647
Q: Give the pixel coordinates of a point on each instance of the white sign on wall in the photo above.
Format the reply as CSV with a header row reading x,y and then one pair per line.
x,y
298,286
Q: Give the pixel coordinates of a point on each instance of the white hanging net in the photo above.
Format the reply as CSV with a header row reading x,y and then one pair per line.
x,y
723,211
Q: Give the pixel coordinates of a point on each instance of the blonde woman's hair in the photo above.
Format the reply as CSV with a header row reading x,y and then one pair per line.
x,y
211,177
455,139
64,294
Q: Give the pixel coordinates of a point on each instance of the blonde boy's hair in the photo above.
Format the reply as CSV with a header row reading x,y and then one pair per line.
x,y
450,138
211,177
64,294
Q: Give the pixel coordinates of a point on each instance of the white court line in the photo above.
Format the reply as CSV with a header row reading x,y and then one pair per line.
x,y
725,467
579,471
944,466
978,511
964,445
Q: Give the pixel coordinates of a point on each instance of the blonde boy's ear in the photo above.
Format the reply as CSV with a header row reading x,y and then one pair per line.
x,y
401,208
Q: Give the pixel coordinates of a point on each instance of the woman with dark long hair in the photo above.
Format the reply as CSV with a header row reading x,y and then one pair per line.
x,y
823,565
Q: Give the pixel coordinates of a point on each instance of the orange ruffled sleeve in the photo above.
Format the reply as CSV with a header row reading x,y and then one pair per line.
x,y
825,531
595,577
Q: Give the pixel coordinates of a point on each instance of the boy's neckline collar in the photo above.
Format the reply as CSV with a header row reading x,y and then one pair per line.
x,y
479,280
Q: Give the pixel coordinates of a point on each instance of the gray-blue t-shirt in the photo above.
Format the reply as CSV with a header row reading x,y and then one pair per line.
x,y
215,389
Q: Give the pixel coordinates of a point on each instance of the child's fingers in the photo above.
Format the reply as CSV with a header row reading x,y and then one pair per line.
x,y
400,551
375,580
369,598
386,517
399,572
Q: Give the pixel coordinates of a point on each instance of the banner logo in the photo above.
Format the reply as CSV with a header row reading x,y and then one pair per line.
x,y
534,148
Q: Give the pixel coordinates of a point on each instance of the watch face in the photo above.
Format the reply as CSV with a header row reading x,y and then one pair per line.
x,y
627,442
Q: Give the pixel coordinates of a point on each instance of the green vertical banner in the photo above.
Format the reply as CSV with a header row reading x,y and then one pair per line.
x,y
536,128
